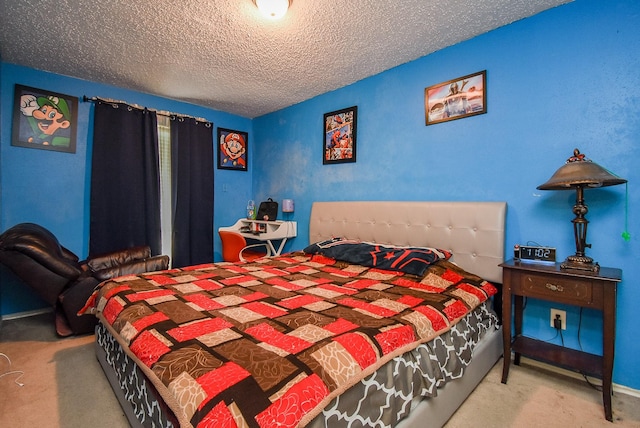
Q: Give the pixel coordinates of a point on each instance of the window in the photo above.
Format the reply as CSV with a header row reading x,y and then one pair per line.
x,y
166,213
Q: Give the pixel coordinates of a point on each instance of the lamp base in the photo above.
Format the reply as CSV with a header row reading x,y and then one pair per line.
x,y
576,262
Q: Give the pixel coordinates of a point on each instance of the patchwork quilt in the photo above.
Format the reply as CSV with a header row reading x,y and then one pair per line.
x,y
271,343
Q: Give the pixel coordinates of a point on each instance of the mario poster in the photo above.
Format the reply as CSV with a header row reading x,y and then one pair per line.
x,y
44,120
232,149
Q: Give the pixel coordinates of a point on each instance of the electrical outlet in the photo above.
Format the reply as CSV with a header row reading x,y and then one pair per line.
x,y
562,315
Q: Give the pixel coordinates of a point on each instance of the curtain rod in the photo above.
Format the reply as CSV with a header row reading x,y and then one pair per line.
x,y
160,112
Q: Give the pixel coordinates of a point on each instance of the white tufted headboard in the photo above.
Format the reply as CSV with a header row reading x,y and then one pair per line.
x,y
473,231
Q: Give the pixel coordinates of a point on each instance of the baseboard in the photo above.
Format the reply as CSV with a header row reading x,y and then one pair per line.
x,y
569,373
25,314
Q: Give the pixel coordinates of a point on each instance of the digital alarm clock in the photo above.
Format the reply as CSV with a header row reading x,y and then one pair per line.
x,y
533,253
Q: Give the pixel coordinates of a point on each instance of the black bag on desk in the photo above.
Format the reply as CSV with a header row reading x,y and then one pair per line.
x,y
268,210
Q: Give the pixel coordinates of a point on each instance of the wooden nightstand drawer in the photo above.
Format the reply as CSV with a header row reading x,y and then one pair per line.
x,y
556,288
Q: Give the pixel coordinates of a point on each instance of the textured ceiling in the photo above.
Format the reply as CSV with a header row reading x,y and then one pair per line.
x,y
223,54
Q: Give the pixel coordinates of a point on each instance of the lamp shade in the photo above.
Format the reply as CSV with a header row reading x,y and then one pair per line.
x,y
287,206
579,171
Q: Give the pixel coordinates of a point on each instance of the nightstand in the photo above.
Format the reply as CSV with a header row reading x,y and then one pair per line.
x,y
596,290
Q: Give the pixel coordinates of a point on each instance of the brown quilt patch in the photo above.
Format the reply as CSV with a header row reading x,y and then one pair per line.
x,y
192,359
267,369
179,312
131,314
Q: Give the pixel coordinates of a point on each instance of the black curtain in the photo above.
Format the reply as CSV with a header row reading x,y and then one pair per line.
x,y
125,180
192,175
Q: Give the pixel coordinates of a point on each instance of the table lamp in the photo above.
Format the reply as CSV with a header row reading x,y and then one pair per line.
x,y
288,206
579,173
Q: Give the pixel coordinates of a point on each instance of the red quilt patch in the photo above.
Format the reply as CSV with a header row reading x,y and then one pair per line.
x,y
150,320
489,288
270,335
288,285
455,310
218,417
205,302
144,295
339,272
338,289
395,338
403,282
450,275
473,290
437,320
221,378
299,400
359,348
148,348
112,310
198,328
116,290
264,309
410,301
340,326
162,279
299,301
360,304
238,280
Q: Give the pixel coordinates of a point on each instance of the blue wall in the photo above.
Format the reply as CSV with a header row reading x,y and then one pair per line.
x,y
566,78
52,188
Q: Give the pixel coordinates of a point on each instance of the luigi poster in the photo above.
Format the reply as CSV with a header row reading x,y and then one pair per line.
x,y
44,120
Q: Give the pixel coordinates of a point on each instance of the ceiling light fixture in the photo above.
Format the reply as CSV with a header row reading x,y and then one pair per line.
x,y
273,9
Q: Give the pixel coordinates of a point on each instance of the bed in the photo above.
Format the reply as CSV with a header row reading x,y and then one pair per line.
x,y
307,339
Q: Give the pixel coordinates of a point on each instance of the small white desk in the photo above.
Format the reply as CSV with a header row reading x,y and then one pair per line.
x,y
269,231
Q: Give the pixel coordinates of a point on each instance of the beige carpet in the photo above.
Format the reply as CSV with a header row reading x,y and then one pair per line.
x,y
64,386
534,397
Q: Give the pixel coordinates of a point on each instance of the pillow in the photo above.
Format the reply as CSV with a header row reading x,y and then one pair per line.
x,y
411,260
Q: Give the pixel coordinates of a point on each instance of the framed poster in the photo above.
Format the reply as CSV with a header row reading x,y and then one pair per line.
x,y
456,99
232,149
339,136
44,120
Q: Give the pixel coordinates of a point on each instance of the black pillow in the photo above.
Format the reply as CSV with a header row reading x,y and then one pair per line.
x,y
411,260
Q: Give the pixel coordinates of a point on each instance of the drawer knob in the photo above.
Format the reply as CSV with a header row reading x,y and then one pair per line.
x,y
554,287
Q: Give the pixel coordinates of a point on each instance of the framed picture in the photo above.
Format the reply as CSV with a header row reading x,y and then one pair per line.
x,y
44,120
339,136
232,149
455,99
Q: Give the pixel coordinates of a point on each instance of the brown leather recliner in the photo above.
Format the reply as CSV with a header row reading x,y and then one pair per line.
x,y
36,257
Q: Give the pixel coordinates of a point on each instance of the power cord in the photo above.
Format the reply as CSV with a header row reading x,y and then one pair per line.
x,y
18,372
558,327
591,384
553,338
561,336
557,324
